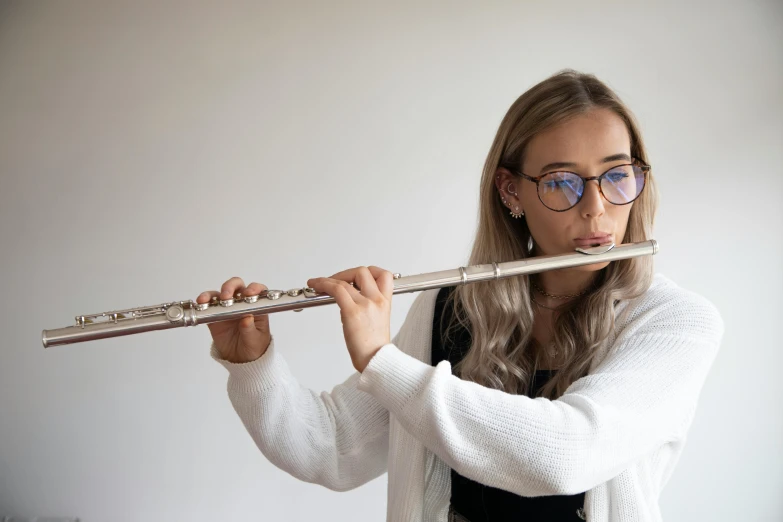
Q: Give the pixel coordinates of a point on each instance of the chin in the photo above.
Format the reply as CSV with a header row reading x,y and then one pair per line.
x,y
593,268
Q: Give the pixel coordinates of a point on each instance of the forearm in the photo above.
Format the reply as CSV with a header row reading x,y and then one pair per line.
x,y
534,447
337,439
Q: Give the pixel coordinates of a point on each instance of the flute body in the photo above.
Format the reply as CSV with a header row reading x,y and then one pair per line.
x,y
189,313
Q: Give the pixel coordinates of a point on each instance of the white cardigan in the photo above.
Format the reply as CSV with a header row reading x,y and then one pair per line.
x,y
616,433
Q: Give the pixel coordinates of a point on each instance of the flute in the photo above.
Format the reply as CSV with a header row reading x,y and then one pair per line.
x,y
189,313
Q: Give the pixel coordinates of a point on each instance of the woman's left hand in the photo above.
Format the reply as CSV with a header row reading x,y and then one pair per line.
x,y
365,309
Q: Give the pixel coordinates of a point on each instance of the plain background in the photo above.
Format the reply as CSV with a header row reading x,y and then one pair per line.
x,y
151,150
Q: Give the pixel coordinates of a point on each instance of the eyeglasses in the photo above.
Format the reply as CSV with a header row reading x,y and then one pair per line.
x,y
562,190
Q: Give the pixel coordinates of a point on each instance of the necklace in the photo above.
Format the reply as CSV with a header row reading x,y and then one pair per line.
x,y
552,352
541,290
542,306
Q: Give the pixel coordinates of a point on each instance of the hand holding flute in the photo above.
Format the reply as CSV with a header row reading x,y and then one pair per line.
x,y
364,295
239,340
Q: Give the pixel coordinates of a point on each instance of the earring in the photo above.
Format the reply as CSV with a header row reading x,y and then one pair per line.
x,y
517,214
513,214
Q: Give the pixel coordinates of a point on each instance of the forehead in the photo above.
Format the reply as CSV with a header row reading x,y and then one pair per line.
x,y
583,139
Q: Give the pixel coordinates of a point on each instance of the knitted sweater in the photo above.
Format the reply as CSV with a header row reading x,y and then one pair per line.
x,y
615,434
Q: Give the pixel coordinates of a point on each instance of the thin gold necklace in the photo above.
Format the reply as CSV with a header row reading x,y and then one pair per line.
x,y
542,306
553,353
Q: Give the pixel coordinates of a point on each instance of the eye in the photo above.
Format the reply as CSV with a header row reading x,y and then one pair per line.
x,y
616,176
560,180
556,184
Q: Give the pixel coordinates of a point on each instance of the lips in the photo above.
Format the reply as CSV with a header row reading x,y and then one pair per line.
x,y
596,240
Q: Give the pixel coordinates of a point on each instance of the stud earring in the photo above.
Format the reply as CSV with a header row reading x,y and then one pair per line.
x,y
514,213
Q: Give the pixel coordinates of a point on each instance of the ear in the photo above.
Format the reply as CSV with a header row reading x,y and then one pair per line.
x,y
502,177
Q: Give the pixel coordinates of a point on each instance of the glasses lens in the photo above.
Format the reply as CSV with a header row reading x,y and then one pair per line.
x,y
623,184
562,190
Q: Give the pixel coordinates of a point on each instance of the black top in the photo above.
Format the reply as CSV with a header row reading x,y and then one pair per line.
x,y
475,501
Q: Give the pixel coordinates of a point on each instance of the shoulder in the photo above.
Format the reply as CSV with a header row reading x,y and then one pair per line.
x,y
668,308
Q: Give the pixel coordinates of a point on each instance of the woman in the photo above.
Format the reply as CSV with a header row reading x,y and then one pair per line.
x,y
564,395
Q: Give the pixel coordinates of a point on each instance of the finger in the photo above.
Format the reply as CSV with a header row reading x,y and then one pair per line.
x,y
231,287
384,279
254,289
349,287
256,322
338,289
351,276
346,276
367,284
249,331
205,297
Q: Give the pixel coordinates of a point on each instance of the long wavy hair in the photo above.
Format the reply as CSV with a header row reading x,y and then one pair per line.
x,y
499,314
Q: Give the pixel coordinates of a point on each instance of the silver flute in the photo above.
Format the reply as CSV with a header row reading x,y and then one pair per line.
x,y
189,313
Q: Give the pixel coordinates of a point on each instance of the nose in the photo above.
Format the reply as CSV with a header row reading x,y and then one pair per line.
x,y
592,202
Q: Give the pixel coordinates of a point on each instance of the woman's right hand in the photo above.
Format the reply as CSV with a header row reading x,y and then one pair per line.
x,y
239,340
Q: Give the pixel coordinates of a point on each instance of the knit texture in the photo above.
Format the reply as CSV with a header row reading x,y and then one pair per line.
x,y
615,434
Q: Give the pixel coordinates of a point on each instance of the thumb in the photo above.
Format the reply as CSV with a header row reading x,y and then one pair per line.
x,y
248,331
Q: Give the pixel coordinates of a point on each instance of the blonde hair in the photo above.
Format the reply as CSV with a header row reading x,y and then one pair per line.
x,y
503,354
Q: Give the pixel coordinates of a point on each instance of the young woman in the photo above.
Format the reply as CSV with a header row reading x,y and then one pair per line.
x,y
564,395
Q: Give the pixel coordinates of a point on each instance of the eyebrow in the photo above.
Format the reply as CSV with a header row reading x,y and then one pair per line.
x,y
562,164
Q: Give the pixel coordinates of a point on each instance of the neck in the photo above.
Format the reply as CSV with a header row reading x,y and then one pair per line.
x,y
562,282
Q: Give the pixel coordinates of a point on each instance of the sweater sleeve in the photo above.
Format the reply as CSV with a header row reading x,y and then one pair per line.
x,y
337,439
639,397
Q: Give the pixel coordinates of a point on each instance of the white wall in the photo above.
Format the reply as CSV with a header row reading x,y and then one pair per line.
x,y
151,151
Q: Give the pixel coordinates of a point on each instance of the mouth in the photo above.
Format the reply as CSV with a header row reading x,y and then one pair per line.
x,y
593,241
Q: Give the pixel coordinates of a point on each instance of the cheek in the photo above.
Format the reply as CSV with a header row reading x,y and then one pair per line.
x,y
620,215
549,228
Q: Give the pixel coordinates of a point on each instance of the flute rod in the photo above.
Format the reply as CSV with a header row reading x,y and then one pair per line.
x,y
188,313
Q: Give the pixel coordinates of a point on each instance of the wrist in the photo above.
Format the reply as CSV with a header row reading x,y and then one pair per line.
x,y
367,360
245,358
